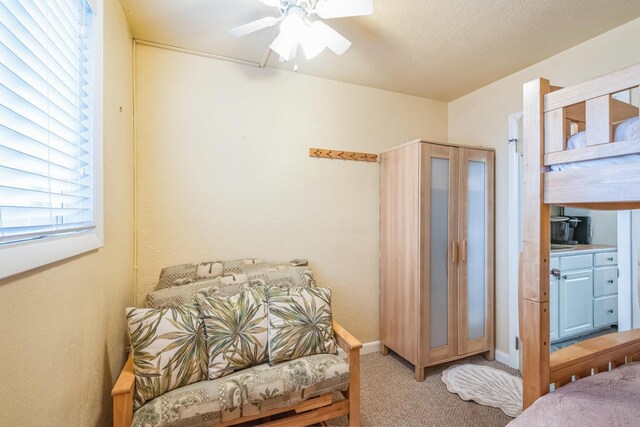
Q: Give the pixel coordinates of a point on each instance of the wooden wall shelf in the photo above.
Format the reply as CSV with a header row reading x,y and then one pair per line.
x,y
344,155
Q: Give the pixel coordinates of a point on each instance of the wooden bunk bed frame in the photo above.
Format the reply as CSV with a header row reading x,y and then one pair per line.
x,y
549,114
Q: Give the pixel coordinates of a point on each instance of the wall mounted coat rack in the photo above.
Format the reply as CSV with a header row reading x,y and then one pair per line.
x,y
344,155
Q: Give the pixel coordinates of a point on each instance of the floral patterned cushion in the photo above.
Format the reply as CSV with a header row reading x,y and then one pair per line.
x,y
236,330
300,323
169,349
245,393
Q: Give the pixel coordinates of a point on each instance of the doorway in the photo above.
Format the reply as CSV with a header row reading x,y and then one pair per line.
x,y
628,222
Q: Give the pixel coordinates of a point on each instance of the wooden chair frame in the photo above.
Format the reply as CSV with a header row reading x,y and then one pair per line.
x,y
548,113
311,411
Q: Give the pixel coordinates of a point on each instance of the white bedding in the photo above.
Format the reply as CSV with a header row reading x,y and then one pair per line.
x,y
625,131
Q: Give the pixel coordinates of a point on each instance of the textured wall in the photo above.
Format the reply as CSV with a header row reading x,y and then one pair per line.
x,y
223,171
62,339
481,117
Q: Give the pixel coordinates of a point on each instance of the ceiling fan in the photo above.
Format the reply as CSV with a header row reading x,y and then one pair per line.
x,y
296,27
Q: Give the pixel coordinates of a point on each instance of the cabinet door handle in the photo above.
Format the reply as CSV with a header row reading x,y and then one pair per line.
x,y
463,251
564,277
608,259
610,281
610,311
453,252
555,272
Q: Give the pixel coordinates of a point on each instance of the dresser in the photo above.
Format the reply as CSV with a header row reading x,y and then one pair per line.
x,y
583,291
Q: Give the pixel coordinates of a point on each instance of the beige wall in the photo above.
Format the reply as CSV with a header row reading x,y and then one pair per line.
x,y
62,338
481,118
223,171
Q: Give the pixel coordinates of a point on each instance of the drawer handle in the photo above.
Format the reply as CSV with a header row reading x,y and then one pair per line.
x,y
610,311
610,281
610,259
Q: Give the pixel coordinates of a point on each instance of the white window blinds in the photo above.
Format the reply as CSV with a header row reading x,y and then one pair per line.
x,y
46,155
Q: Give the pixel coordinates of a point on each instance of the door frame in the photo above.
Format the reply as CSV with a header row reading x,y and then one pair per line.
x,y
625,268
514,236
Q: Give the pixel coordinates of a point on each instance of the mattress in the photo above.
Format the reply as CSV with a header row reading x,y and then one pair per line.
x,y
624,131
607,399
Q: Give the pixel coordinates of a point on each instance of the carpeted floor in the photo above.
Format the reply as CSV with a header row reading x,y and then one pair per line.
x,y
392,397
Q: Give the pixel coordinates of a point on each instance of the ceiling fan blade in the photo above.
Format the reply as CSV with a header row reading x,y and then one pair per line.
x,y
335,41
342,8
251,27
274,3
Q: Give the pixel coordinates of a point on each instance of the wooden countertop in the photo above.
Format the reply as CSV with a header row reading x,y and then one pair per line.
x,y
584,248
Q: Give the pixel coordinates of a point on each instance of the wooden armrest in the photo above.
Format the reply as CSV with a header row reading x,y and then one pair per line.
x,y
126,380
345,339
122,393
352,347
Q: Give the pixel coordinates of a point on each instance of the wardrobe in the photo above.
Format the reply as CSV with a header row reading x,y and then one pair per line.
x,y
436,253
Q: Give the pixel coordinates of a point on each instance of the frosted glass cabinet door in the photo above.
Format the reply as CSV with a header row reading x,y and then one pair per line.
x,y
475,280
440,188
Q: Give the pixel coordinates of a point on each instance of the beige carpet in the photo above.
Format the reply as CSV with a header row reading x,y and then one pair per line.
x,y
392,397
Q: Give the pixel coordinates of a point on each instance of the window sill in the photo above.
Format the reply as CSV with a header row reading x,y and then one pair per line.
x,y
21,257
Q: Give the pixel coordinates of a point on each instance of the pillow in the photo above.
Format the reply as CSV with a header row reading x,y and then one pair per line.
x,y
209,270
180,295
285,277
177,275
300,323
169,349
236,330
184,274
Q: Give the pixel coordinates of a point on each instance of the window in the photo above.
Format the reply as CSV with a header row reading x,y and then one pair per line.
x,y
49,153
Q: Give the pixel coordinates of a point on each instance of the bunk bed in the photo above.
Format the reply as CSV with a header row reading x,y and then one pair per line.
x,y
581,149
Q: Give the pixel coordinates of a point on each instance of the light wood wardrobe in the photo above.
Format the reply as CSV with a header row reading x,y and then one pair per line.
x,y
436,253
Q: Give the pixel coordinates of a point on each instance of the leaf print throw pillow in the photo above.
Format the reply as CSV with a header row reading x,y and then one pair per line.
x,y
300,323
169,349
236,330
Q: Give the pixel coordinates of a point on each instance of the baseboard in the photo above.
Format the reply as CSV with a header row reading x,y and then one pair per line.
x,y
368,347
502,357
373,346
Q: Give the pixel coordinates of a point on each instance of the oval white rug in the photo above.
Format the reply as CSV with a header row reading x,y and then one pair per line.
x,y
485,385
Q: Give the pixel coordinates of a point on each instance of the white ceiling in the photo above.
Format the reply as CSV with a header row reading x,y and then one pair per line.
x,y
438,49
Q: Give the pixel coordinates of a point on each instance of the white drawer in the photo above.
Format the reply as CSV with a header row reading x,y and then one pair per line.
x,y
605,311
606,258
576,261
605,281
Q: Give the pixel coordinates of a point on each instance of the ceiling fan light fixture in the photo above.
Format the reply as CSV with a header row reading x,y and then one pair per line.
x,y
312,41
282,46
292,29
293,25
297,30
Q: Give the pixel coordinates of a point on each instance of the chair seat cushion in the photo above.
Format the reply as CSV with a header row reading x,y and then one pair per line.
x,y
246,393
